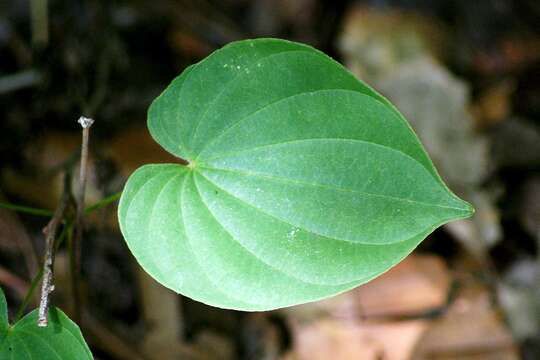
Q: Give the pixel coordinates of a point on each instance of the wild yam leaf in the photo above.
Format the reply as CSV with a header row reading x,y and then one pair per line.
x,y
24,340
302,181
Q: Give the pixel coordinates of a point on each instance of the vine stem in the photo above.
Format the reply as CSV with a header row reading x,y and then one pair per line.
x,y
26,209
47,284
48,213
103,202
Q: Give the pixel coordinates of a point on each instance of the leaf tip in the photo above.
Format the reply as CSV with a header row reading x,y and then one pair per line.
x,y
466,209
470,209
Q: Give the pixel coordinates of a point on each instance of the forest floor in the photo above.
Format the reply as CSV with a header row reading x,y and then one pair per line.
x,y
467,76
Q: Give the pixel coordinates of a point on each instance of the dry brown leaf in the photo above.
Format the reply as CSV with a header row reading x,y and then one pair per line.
x,y
376,41
470,329
339,340
135,147
367,322
417,285
45,156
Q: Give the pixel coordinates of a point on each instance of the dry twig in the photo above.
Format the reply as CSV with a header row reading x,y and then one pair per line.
x,y
47,285
86,123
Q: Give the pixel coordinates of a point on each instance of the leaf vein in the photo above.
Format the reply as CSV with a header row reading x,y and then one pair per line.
x,y
43,341
271,215
195,257
272,267
248,116
225,88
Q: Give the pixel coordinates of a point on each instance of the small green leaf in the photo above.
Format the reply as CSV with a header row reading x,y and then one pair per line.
x,y
302,181
3,315
61,339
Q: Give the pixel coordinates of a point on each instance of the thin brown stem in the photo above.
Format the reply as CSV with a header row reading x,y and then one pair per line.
x,y
86,123
47,284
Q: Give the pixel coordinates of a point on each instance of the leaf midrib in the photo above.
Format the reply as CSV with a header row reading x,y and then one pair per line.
x,y
288,180
233,153
299,182
302,227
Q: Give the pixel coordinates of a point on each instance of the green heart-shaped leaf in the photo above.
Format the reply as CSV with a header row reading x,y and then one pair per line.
x,y
61,339
302,181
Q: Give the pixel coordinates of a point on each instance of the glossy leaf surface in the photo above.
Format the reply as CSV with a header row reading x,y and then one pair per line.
x,y
61,339
303,182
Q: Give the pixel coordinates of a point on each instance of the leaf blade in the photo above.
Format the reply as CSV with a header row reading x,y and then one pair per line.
x,y
302,182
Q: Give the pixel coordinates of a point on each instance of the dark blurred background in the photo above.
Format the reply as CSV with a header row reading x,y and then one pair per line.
x,y
465,73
